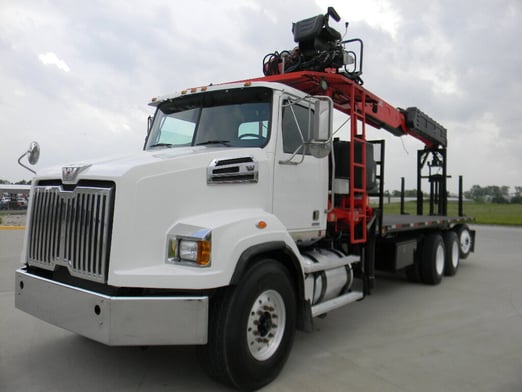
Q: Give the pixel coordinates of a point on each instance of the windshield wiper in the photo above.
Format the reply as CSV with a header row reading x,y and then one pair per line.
x,y
162,145
225,142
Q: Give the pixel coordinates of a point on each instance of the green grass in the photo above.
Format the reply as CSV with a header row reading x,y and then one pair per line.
x,y
484,213
11,212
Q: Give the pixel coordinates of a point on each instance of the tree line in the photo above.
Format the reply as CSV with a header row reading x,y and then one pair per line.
x,y
21,182
495,194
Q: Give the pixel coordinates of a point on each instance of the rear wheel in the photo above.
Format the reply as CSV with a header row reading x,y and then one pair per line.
x,y
451,243
433,256
465,241
252,327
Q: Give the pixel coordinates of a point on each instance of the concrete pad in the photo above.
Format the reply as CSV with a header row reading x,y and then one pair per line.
x,y
463,335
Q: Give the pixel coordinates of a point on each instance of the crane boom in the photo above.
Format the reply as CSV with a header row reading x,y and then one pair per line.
x,y
379,113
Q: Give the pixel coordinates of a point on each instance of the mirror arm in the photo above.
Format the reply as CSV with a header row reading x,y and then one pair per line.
x,y
34,155
21,164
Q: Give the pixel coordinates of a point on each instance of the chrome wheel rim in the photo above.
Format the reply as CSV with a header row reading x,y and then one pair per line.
x,y
455,254
439,260
465,241
266,325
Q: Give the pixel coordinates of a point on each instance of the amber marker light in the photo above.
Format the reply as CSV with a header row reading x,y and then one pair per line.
x,y
203,253
261,224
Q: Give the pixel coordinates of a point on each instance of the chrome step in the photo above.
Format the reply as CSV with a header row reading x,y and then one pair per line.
x,y
337,302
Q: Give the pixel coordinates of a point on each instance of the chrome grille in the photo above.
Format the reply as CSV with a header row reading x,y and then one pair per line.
x,y
72,229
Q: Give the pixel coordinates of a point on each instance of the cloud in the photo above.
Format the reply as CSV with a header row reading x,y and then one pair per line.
x,y
378,14
52,59
456,61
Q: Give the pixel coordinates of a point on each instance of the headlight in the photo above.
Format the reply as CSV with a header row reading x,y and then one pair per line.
x,y
189,250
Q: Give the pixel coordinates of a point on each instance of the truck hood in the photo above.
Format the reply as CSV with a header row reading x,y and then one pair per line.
x,y
156,190
116,167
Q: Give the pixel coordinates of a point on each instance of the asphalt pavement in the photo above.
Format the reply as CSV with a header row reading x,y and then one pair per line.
x,y
463,335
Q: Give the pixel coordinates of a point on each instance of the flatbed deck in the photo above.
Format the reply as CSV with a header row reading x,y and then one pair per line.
x,y
401,223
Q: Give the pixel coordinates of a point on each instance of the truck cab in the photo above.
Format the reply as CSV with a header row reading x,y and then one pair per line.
x,y
231,183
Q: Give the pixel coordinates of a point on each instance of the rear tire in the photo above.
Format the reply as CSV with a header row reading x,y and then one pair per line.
x,y
252,328
465,241
433,256
451,243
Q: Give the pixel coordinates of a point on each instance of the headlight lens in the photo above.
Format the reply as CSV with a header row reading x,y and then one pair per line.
x,y
190,250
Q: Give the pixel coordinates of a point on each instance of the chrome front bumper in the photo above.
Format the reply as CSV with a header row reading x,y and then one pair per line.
x,y
115,321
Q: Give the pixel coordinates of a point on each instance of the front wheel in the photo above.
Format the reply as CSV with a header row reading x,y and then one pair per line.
x,y
252,327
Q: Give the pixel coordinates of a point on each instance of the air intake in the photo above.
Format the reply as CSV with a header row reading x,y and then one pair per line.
x,y
232,171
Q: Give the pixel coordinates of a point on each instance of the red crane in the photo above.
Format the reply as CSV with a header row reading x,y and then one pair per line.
x,y
320,66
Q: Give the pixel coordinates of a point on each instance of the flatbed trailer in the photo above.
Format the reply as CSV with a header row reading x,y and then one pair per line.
x,y
394,224
425,247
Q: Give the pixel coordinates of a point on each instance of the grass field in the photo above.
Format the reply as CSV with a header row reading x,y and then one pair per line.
x,y
484,213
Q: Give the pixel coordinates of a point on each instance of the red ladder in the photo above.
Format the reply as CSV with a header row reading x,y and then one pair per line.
x,y
358,198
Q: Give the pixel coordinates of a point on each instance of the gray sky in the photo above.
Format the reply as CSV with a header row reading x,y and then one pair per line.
x,y
77,76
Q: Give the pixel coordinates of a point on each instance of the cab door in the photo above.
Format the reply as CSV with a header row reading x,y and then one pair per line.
x,y
300,180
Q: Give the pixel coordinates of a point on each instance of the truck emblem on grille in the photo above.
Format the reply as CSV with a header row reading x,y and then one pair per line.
x,y
70,173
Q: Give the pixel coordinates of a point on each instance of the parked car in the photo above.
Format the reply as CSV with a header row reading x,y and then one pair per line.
x,y
5,203
21,203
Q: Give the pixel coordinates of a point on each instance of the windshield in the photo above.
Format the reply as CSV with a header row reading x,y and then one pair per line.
x,y
234,118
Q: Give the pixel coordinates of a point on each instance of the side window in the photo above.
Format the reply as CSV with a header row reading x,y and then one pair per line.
x,y
297,127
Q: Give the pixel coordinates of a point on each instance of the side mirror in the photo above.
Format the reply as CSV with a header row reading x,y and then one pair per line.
x,y
322,132
33,155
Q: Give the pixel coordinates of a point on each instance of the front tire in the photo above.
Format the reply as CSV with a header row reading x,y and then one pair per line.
x,y
252,327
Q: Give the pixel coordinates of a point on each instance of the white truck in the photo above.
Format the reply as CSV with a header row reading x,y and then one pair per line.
x,y
241,220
